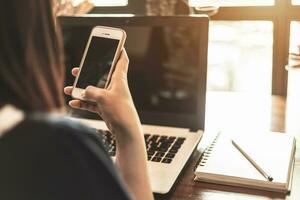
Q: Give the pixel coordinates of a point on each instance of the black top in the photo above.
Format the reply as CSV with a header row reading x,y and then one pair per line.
x,y
54,158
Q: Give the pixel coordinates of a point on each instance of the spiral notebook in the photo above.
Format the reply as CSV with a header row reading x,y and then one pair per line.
x,y
222,163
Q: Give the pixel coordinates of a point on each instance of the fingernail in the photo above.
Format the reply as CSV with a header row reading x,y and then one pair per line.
x,y
83,93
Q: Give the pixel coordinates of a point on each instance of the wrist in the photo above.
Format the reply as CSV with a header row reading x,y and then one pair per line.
x,y
130,130
128,135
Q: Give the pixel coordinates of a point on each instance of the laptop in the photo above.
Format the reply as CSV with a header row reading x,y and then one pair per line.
x,y
167,79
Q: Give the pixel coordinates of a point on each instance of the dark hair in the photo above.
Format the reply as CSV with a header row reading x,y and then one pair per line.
x,y
31,56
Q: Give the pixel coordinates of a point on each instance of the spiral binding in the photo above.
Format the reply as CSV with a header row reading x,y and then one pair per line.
x,y
206,153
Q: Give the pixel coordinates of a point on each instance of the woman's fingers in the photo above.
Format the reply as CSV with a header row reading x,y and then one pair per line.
x,y
122,65
77,104
119,75
91,93
68,90
75,71
95,94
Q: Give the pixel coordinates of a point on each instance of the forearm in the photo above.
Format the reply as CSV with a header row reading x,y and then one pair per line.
x,y
132,162
115,106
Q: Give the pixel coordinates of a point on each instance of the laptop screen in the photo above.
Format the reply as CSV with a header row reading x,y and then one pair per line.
x,y
164,64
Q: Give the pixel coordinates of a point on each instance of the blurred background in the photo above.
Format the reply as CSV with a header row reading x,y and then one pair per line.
x,y
253,44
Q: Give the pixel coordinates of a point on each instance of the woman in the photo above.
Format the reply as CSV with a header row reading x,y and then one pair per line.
x,y
43,155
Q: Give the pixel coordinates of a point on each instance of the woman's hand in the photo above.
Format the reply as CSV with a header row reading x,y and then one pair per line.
x,y
116,107
113,104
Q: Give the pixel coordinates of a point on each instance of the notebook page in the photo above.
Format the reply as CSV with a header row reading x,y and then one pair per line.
x,y
271,151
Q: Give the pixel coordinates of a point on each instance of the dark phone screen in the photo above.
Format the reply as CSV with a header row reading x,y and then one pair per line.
x,y
98,62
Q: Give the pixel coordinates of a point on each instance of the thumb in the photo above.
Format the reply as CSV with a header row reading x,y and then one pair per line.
x,y
122,65
94,94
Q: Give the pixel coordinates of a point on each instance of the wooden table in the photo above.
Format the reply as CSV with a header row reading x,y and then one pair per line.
x,y
240,112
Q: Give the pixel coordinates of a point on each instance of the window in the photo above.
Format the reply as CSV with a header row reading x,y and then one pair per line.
x,y
119,7
232,2
296,2
294,74
110,2
280,13
240,56
295,37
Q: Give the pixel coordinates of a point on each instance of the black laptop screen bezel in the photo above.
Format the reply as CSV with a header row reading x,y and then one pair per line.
x,y
193,121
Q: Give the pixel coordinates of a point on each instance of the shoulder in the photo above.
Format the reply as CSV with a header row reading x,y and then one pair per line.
x,y
66,150
43,125
62,130
55,123
48,131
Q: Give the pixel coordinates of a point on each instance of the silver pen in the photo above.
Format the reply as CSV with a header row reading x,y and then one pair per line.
x,y
267,176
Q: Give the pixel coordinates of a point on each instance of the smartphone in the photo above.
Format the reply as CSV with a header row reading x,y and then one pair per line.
x,y
99,59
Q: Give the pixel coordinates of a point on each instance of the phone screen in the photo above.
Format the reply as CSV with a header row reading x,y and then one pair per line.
x,y
98,62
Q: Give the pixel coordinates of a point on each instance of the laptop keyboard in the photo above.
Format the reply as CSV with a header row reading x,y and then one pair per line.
x,y
160,148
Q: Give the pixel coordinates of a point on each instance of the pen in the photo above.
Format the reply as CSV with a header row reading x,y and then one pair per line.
x,y
268,177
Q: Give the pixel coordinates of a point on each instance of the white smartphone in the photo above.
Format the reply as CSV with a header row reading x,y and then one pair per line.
x,y
101,54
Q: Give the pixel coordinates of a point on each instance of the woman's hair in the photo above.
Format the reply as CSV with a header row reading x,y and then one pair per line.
x,y
31,56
